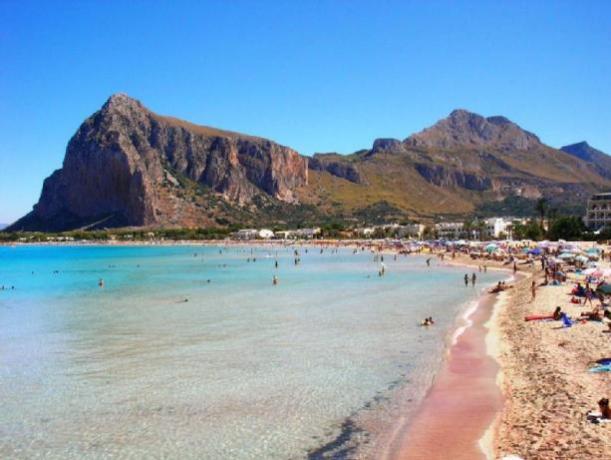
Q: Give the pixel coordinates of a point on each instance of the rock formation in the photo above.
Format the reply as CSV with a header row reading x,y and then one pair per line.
x,y
121,169
127,166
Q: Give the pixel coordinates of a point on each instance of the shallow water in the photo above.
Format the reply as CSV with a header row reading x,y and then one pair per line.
x,y
243,369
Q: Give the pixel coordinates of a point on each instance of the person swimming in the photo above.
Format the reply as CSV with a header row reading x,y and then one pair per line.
x,y
427,321
101,283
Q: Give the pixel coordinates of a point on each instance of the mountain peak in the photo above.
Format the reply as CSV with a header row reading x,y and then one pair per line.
x,y
471,130
584,151
121,102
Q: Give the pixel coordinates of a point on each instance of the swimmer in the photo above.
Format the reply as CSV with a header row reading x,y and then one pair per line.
x,y
275,280
101,283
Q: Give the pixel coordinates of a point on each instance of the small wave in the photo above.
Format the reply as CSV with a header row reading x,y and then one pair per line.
x,y
466,318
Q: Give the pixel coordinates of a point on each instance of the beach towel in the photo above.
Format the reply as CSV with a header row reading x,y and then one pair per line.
x,y
596,417
601,368
538,317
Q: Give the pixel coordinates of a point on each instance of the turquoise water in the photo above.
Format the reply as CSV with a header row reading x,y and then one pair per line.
x,y
243,369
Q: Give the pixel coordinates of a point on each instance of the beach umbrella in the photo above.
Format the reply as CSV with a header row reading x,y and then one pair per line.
x,y
593,251
566,256
491,247
582,259
592,271
535,252
604,288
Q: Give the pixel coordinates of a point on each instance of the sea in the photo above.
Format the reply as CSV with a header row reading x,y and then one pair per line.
x,y
193,352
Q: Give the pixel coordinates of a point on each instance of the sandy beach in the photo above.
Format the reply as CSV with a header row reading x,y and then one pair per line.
x,y
545,378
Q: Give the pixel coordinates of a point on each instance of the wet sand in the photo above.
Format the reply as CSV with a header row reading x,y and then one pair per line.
x,y
462,403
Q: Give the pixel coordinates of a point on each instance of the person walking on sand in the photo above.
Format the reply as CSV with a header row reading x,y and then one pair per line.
x,y
515,267
533,291
466,279
473,279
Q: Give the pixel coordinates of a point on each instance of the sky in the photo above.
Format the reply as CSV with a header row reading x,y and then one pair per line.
x,y
318,76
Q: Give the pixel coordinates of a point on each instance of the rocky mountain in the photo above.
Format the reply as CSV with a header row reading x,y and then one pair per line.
x,y
128,166
463,129
456,166
599,160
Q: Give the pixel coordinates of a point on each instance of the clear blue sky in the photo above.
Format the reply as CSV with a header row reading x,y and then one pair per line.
x,y
315,75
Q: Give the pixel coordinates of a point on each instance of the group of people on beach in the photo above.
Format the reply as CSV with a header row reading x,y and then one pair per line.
x,y
500,287
582,295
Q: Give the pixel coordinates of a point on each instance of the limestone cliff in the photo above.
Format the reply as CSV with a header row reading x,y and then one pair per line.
x,y
125,163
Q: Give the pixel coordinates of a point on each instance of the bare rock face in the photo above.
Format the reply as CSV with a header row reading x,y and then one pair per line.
x,y
468,130
386,144
336,165
118,159
445,177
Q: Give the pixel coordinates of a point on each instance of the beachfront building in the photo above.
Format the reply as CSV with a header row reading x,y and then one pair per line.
x,y
265,234
598,213
247,234
411,231
496,227
364,232
451,230
301,233
307,233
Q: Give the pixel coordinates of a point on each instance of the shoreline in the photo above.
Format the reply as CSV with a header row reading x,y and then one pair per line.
x,y
452,420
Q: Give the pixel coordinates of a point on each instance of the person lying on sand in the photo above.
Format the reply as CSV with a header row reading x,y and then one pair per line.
x,y
501,286
605,412
557,315
594,315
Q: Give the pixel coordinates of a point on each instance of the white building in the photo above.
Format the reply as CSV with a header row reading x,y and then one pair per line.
x,y
364,231
307,233
495,227
411,231
598,214
302,233
450,230
265,234
247,234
